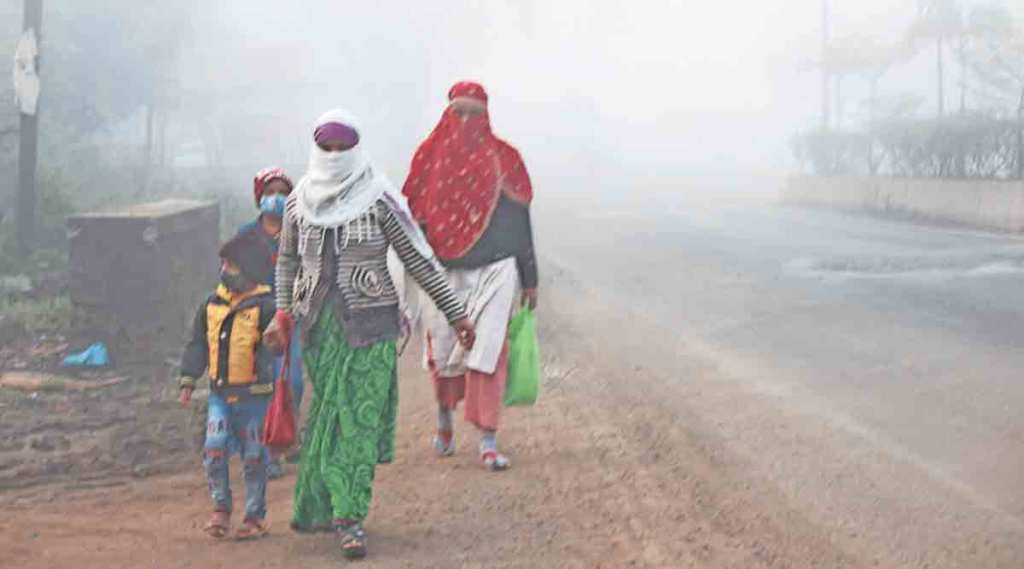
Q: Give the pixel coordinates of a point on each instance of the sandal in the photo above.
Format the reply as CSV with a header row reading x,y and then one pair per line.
x,y
252,528
219,525
353,540
444,449
494,461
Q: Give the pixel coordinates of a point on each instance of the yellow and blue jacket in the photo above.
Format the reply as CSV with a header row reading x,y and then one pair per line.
x,y
227,344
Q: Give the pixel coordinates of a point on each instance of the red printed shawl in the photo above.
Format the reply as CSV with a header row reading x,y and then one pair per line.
x,y
458,174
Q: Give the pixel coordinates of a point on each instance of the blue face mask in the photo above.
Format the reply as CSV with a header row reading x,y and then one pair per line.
x,y
273,204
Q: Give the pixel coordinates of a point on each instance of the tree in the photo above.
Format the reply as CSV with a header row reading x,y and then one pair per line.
x,y
996,57
860,56
939,21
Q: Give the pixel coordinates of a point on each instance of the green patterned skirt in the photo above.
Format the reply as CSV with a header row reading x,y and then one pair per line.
x,y
351,425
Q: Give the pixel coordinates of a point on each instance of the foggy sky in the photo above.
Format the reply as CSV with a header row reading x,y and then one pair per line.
x,y
588,90
717,86
683,85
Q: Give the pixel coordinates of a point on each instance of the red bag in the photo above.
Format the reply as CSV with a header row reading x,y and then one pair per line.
x,y
279,425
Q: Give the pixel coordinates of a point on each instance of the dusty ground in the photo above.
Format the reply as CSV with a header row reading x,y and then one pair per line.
x,y
68,439
727,386
603,477
715,397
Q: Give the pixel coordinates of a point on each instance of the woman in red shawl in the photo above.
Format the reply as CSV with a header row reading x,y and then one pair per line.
x,y
471,193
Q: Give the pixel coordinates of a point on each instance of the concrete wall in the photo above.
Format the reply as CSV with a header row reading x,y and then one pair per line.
x,y
981,203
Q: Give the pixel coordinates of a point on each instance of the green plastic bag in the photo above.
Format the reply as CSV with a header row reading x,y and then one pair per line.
x,y
523,360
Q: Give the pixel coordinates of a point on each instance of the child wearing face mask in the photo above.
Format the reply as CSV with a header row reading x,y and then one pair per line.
x,y
227,346
271,187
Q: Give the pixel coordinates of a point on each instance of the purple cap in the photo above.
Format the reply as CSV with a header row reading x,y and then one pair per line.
x,y
336,132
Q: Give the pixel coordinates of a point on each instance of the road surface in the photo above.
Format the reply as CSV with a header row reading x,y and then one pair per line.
x,y
869,369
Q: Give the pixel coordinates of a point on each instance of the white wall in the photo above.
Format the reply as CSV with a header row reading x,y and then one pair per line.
x,y
981,203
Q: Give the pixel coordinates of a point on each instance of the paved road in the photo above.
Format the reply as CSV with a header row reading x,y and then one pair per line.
x,y
901,341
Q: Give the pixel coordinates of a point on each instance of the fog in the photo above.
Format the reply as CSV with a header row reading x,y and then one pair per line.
x,y
743,366
581,87
584,88
593,93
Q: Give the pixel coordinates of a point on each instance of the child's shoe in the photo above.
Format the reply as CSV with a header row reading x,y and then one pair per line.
x,y
252,528
219,525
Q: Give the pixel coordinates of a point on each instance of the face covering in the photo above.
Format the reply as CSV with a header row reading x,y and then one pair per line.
x,y
235,282
273,204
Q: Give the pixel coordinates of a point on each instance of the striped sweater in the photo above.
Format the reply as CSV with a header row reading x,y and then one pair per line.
x,y
348,265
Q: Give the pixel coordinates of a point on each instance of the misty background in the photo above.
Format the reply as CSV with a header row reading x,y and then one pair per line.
x,y
190,98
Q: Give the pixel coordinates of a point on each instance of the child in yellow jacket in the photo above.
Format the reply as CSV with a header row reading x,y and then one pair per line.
x,y
227,346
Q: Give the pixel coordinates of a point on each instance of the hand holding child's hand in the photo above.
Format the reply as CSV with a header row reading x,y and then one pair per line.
x,y
466,332
275,336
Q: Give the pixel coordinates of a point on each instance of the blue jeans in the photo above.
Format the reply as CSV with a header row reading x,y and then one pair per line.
x,y
230,427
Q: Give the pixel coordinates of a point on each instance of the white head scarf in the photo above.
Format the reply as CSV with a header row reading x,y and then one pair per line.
x,y
338,186
340,189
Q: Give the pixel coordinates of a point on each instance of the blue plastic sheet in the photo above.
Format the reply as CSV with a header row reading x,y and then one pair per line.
x,y
94,356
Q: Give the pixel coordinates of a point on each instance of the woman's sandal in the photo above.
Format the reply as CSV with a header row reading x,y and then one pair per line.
x,y
494,461
219,525
444,449
252,528
353,540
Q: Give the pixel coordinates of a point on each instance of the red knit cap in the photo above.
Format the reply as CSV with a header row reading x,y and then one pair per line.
x,y
264,177
469,90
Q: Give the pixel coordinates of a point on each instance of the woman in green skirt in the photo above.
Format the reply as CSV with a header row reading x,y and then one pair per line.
x,y
332,276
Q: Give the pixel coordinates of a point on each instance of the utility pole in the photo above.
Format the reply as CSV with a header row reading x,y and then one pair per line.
x,y
1020,137
963,73
27,150
147,153
826,96
941,76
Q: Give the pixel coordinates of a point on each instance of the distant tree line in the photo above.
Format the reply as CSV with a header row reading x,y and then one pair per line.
x,y
971,145
983,138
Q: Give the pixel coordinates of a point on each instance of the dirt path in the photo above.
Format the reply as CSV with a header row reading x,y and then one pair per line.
x,y
602,478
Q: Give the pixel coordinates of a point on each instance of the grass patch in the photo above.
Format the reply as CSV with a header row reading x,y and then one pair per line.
x,y
38,316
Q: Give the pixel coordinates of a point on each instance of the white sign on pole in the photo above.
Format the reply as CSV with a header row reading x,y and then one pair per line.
x,y
26,76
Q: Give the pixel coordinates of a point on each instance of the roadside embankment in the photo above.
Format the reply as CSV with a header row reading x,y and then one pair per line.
x,y
989,204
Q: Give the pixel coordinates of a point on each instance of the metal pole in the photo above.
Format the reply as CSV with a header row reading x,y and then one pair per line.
x,y
941,77
27,151
147,158
1020,137
826,96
